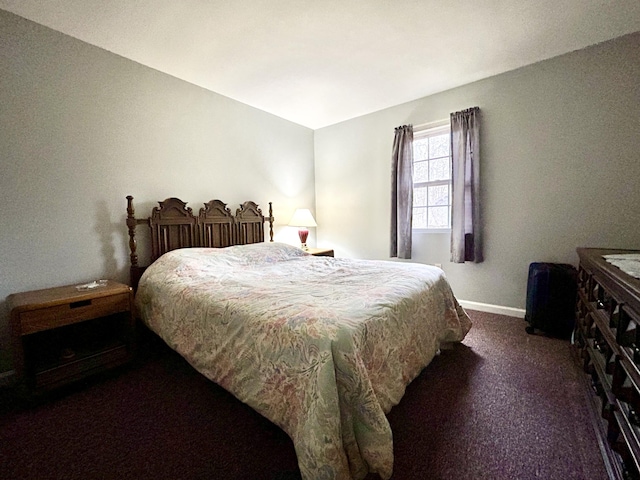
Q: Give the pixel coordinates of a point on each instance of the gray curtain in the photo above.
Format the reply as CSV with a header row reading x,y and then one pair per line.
x,y
466,227
402,192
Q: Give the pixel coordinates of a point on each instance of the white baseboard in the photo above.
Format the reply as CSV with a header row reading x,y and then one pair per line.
x,y
6,378
486,307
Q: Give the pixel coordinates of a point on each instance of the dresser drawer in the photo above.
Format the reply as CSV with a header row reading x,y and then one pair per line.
x,y
33,321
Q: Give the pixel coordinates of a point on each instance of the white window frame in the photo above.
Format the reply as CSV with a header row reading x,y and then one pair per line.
x,y
429,130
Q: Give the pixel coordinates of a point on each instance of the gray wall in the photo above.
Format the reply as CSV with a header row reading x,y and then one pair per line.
x,y
81,128
560,169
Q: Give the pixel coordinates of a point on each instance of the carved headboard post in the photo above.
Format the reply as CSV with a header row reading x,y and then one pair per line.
x,y
271,219
131,225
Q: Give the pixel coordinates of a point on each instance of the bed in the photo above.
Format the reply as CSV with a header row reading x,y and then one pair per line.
x,y
323,347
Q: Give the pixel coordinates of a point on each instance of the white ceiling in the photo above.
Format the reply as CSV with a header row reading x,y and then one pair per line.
x,y
320,62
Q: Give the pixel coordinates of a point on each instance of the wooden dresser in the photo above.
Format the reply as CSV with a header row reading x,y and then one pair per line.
x,y
608,337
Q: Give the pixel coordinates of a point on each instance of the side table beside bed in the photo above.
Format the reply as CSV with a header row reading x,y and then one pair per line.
x,y
67,333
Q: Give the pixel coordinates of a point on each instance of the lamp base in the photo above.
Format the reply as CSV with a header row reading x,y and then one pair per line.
x,y
303,233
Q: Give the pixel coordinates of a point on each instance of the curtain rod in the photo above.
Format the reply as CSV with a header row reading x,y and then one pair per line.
x,y
436,123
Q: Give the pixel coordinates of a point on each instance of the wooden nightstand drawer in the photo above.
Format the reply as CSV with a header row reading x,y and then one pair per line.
x,y
77,311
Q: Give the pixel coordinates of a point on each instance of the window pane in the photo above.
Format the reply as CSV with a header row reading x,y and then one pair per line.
x,y
420,149
420,172
419,218
439,146
420,196
438,217
439,195
432,177
439,169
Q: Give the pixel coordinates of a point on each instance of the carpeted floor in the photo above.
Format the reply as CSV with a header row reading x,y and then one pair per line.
x,y
502,405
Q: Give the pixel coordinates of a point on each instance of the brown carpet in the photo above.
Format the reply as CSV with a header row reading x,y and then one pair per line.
x,y
502,405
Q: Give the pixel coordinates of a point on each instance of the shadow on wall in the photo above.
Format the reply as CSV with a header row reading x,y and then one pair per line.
x,y
108,232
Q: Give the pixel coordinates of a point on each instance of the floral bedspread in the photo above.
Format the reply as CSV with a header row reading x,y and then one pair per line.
x,y
323,347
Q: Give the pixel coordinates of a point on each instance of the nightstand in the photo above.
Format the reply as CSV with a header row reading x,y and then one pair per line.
x,y
64,334
320,252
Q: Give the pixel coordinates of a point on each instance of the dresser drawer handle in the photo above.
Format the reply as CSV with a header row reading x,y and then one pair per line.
x,y
81,303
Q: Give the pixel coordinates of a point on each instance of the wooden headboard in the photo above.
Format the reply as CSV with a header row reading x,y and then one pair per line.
x,y
172,225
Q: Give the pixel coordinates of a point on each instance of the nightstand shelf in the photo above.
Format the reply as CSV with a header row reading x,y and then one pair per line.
x,y
61,334
320,252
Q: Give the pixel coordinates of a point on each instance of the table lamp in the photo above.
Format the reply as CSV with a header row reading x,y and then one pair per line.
x,y
303,219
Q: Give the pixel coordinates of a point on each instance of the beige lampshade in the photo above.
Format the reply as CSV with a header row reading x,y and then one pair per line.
x,y
302,217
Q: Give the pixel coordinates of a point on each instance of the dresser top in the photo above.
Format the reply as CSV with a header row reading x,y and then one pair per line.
x,y
613,277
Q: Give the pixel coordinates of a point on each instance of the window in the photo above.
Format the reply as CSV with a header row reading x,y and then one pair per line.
x,y
432,178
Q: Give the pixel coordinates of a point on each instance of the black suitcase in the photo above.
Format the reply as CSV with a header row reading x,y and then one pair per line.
x,y
551,298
